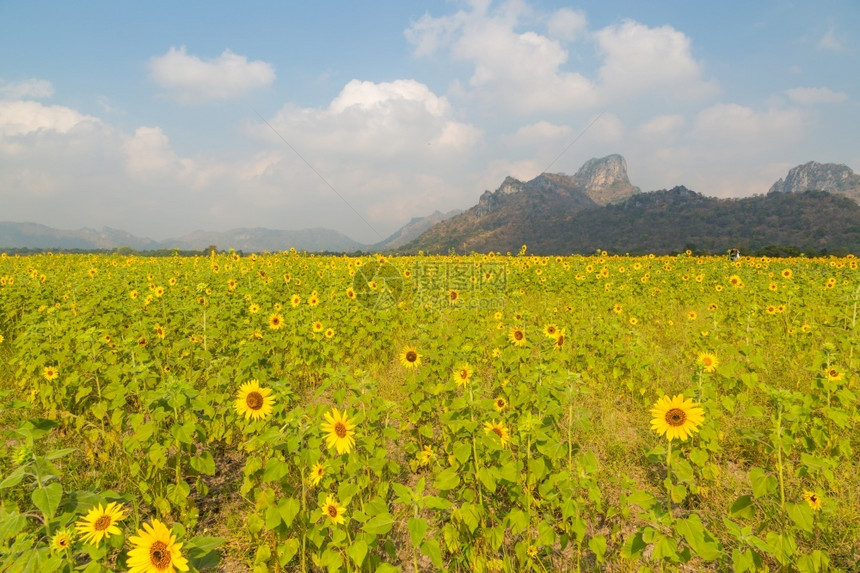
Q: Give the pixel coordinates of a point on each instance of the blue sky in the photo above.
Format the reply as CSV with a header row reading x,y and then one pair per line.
x,y
160,118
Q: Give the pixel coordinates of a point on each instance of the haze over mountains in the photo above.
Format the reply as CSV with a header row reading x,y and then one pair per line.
x,y
814,208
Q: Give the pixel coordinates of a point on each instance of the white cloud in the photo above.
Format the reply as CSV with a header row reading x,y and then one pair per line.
x,y
542,131
831,42
191,79
525,72
661,126
811,96
148,150
378,120
32,88
639,59
735,127
19,118
370,95
567,25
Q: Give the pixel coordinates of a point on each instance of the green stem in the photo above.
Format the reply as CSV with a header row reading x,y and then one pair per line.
x,y
669,478
779,458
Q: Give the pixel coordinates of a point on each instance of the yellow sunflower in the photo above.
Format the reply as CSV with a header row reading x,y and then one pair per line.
x,y
550,330
155,550
499,429
425,456
410,358
329,332
333,510
499,403
676,417
833,374
708,362
462,374
50,373
318,326
339,431
316,474
100,522
559,340
61,540
813,499
517,335
252,401
276,321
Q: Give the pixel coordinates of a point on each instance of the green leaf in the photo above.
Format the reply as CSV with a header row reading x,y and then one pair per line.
x,y
743,507
814,562
14,478
287,550
379,525
641,498
487,479
36,428
11,525
288,508
694,532
509,472
665,548
56,454
801,515
518,521
683,470
634,547
275,470
434,502
417,528
447,479
357,552
431,549
48,499
201,552
462,451
743,561
762,483
471,515
598,545
204,463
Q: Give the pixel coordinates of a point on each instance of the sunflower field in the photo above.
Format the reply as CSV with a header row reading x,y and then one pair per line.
x,y
483,413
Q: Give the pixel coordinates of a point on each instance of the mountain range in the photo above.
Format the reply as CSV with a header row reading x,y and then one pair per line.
x,y
813,209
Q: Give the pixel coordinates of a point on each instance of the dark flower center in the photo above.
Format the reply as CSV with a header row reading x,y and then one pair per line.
x,y
498,431
518,334
254,400
340,430
411,356
332,511
102,523
464,374
676,417
159,556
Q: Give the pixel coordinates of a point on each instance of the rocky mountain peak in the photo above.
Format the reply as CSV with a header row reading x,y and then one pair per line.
x,y
605,179
832,177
